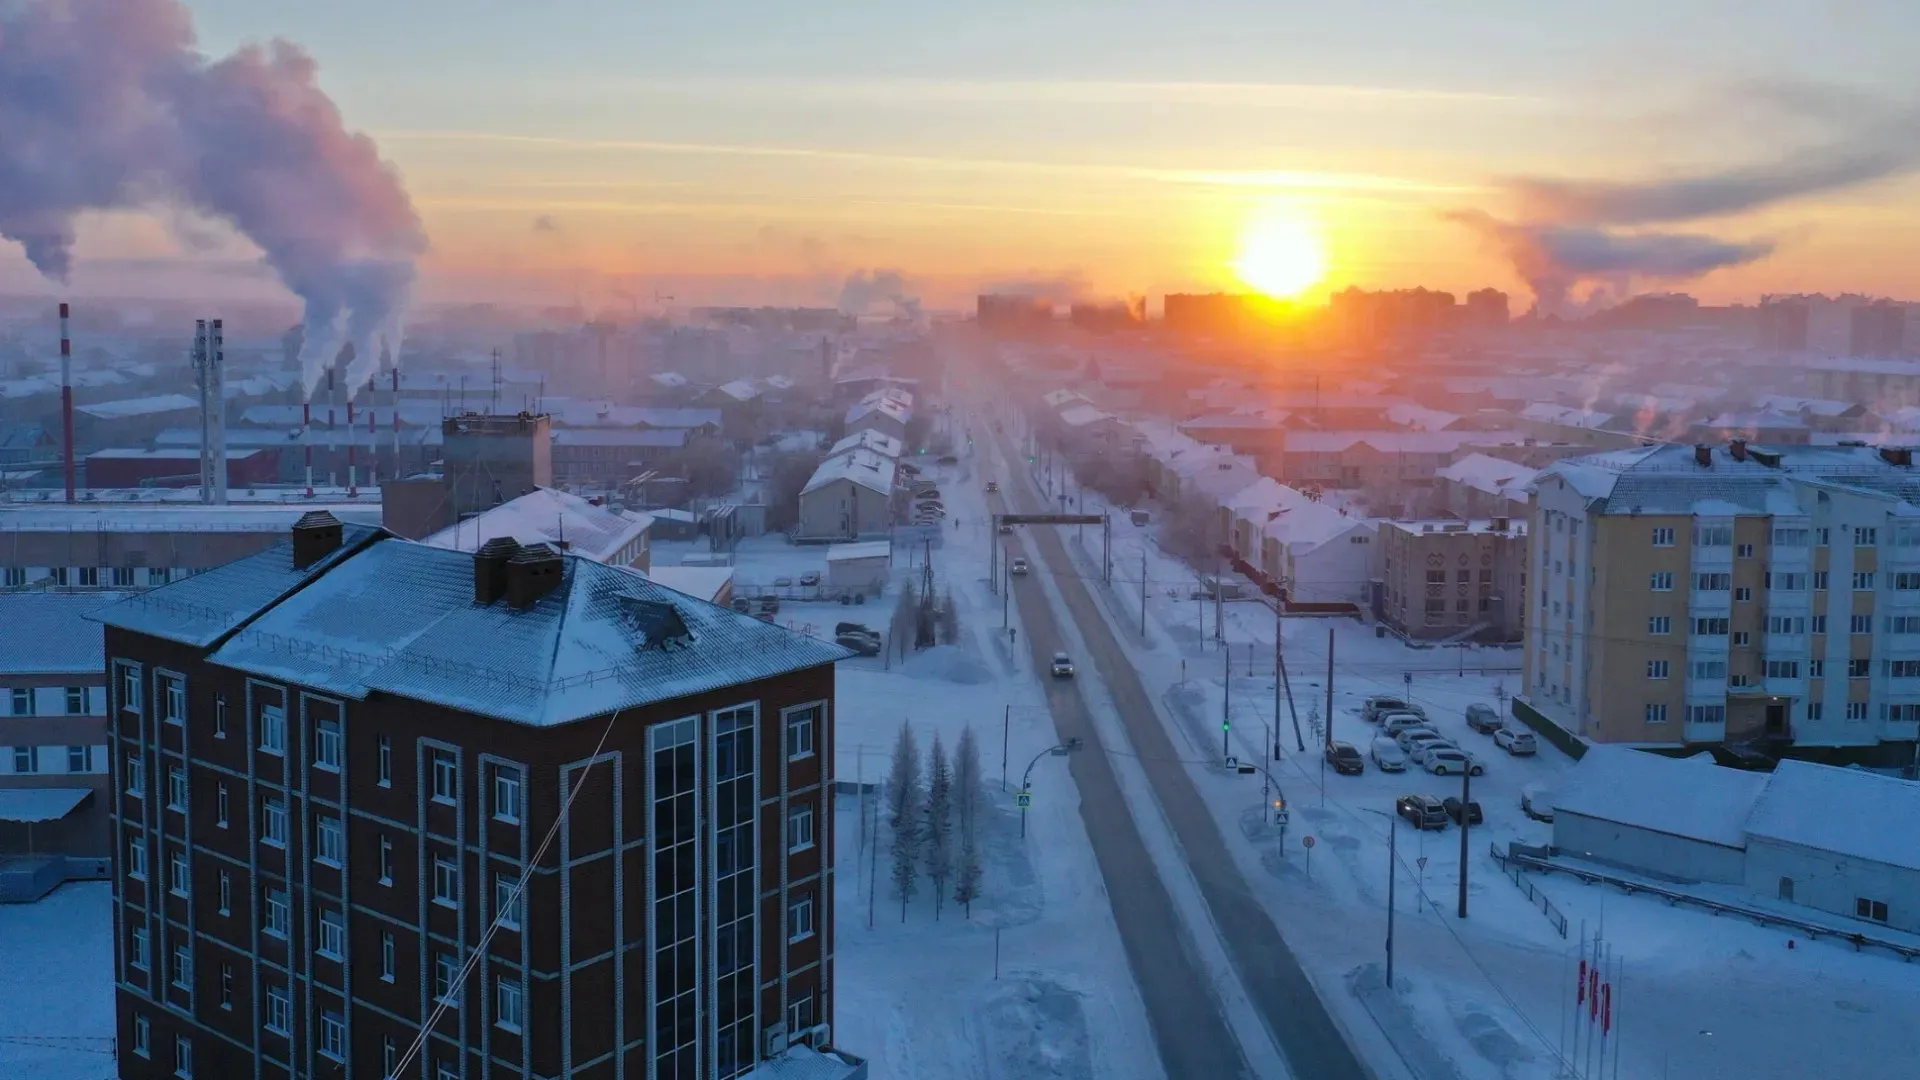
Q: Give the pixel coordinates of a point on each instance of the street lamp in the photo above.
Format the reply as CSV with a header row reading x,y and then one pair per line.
x,y
1025,796
1393,875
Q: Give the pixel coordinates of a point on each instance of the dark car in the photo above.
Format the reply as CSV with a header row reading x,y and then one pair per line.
x,y
1422,811
852,628
1379,706
1483,719
863,644
1453,810
1345,759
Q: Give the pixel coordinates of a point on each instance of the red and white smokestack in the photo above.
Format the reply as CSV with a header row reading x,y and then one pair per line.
x,y
306,436
66,399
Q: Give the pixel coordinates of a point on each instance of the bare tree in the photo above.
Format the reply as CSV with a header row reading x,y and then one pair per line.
x,y
788,473
939,829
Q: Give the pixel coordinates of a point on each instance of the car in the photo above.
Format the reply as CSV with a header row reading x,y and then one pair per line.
x,y
1018,566
1387,757
853,628
1471,809
1517,743
1005,529
1421,752
1415,741
769,605
927,491
1422,811
949,459
1062,666
1536,801
860,643
1483,719
1450,760
810,578
783,582
1344,759
993,486
1378,708
1394,723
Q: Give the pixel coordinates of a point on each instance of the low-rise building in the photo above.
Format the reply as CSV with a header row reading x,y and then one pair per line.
x,y
569,522
850,496
139,544
1454,579
1483,486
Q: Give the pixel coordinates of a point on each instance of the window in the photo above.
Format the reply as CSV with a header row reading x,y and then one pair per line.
x,y
1742,638
138,955
1903,669
1819,579
800,1013
22,702
89,576
142,1035
219,716
1656,714
173,702
220,805
329,840
1816,669
226,986
506,794
333,933
1906,582
79,759
386,955
1786,624
1739,680
130,689
445,974
1744,551
445,1070
226,893
279,1010
183,967
1865,536
1711,582
273,821
446,881
1903,624
1785,537
1712,535
333,1035
1862,580
446,781
1712,627
507,900
76,700
1656,669
26,759
1785,582
1439,577
800,732
1662,581
176,788
276,912
326,744
800,827
1901,713
386,859
1783,669
1859,667
1663,536
506,1003
1464,577
183,1056
136,859
178,878
800,917
1876,910
157,575
17,575
1660,624
1710,670
386,761
1860,624
1856,710
273,729
1817,624
122,577
1706,714
1742,595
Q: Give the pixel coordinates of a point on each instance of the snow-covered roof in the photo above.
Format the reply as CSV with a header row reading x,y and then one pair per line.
x,y
740,390
30,387
864,549
672,380
1386,442
1847,811
1738,421
1565,415
700,582
1082,415
868,439
1691,799
24,437
30,805
1813,406
802,1062
48,633
1263,494
637,437
1421,418
111,517
385,615
1307,524
568,412
1495,476
141,406
543,514
886,407
165,453
1235,421
413,414
864,467
1666,479
1058,399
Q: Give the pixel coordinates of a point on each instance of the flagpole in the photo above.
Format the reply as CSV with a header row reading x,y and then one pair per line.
x,y
1566,968
1579,1001
1619,980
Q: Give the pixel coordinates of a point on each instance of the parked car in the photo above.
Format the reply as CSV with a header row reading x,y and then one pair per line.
x,y
1517,743
863,644
1536,801
1451,761
1415,741
1345,759
1483,719
926,491
769,605
1018,566
949,459
853,628
1422,752
1138,517
1377,708
1422,811
783,582
1387,757
1395,723
1005,529
810,578
1472,809
1062,666
993,486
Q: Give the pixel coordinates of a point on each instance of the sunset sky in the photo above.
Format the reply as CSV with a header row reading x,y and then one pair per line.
x,y
759,150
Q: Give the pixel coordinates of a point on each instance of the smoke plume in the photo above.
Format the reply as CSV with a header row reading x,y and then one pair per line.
x,y
1061,288
107,105
867,289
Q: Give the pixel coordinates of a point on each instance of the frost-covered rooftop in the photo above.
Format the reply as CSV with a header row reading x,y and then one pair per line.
x,y
142,406
1690,799
1846,811
864,467
1669,479
543,514
48,633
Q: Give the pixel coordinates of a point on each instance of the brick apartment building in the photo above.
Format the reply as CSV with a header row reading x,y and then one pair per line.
x,y
336,760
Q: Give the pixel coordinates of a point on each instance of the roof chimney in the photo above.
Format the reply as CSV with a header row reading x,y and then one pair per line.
x,y
1897,455
315,536
532,573
1703,455
490,569
1738,448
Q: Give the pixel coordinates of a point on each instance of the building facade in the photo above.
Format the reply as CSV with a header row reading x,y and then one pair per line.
x,y
563,821
139,545
1729,594
1454,579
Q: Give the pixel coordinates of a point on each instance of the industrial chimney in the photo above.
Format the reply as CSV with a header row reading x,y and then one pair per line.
x,y
66,400
209,366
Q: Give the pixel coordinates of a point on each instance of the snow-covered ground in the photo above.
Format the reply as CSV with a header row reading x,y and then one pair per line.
x,y
56,985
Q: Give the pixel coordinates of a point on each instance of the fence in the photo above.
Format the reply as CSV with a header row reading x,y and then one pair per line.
x,y
1568,743
1539,899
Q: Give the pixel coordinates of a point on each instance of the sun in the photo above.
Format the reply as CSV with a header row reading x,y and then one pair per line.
x,y
1281,255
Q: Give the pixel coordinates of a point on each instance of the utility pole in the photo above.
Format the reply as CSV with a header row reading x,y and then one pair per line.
x,y
1329,684
1143,621
1393,874
1466,817
1226,698
1273,745
1006,732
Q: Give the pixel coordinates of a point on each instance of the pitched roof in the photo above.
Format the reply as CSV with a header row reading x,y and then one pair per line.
x,y
142,406
597,532
49,633
1495,476
1847,811
864,467
1696,800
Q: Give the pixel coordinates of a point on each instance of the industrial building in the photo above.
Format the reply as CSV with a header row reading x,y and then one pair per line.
x,y
565,820
138,543
568,522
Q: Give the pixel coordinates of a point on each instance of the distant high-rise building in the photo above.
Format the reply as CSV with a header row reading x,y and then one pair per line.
x,y
1487,307
1877,329
1391,313
1013,313
1783,324
1214,314
1107,317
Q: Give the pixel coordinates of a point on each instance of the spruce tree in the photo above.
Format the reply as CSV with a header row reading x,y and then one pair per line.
x,y
904,805
966,878
938,834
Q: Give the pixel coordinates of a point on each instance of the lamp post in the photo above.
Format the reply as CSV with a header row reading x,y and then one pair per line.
x,y
1026,778
1393,875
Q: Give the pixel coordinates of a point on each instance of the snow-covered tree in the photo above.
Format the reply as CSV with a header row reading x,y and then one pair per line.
x,y
939,828
905,801
966,779
966,876
903,779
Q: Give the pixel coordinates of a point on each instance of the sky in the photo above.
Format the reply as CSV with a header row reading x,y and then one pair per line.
x,y
759,151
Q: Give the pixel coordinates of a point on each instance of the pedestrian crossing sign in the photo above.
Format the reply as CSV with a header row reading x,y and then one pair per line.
x,y
1024,799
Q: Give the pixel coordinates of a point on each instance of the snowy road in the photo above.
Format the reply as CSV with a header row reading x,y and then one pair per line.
x,y
1271,974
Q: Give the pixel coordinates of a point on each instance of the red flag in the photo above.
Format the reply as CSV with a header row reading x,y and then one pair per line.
x,y
1593,994
1580,988
1606,1008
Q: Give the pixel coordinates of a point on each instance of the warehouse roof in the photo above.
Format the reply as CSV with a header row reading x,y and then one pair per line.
x,y
597,532
1696,800
1846,811
48,633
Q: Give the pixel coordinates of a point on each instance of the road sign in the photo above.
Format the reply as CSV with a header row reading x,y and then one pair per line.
x,y
1421,862
1280,816
1233,762
1024,799
1306,841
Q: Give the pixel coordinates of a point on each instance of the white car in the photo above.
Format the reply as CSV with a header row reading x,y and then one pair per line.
x,y
1018,566
1423,750
1387,757
1446,760
1517,743
1062,666
1418,742
1395,723
1406,736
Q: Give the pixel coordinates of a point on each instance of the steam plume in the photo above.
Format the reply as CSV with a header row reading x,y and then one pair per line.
x,y
864,289
107,105
1555,259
